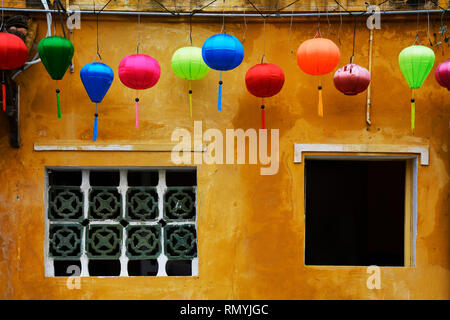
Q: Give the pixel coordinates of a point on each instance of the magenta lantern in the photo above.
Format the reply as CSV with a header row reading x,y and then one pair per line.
x,y
351,79
139,71
442,74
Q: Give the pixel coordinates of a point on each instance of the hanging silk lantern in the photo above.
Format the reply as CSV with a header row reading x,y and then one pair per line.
x,y
222,52
351,79
416,63
97,78
442,74
264,80
139,71
188,64
56,54
13,54
316,57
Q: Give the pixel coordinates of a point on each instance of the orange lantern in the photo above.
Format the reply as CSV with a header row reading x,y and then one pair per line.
x,y
318,56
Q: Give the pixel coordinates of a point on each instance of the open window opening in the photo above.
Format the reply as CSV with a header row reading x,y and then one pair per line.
x,y
358,212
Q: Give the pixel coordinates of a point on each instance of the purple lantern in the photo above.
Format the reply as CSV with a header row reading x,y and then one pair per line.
x,y
442,74
351,79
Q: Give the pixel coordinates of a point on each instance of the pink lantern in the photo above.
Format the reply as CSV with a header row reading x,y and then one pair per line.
x,y
442,74
351,79
139,71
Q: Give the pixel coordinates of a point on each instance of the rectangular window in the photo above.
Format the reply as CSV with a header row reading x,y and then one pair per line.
x,y
358,213
121,222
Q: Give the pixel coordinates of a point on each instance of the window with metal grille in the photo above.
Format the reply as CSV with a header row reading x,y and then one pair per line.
x,y
121,222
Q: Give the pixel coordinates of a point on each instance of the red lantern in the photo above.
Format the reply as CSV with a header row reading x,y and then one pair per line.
x,y
13,54
264,80
318,56
351,79
139,71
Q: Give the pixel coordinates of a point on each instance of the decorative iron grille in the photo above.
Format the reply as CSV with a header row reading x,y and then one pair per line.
x,y
102,224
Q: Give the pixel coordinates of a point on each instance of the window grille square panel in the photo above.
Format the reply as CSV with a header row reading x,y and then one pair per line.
x,y
142,203
121,222
65,203
65,241
179,204
104,203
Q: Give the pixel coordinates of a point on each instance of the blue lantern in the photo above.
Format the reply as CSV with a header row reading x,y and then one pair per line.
x,y
97,78
222,52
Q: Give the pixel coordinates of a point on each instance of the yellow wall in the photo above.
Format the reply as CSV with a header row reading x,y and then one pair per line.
x,y
250,227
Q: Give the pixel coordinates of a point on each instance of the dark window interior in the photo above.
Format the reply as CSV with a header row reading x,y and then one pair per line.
x,y
143,178
64,177
67,268
175,178
104,268
354,212
104,178
143,267
179,267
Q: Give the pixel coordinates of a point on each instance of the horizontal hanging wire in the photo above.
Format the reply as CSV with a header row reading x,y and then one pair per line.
x,y
261,10
233,15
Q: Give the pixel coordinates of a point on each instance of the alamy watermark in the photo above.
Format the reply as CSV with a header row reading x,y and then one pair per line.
x,y
374,280
374,20
222,149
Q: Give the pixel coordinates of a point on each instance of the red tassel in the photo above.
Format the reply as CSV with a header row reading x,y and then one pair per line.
x,y
3,92
4,96
263,118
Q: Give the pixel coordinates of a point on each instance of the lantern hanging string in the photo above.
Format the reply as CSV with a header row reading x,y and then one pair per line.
x,y
428,29
245,27
318,24
139,28
223,30
290,30
190,28
1,27
190,15
264,48
352,58
60,8
329,24
340,28
416,39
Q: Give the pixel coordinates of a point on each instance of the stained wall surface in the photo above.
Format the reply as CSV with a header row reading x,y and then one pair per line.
x,y
250,226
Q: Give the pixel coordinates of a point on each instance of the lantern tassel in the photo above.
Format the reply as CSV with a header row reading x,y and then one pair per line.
x,y
413,112
58,103
94,135
320,105
3,91
219,101
190,99
263,118
137,113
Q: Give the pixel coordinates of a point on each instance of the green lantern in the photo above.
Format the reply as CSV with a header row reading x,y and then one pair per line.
x,y
415,62
188,64
56,54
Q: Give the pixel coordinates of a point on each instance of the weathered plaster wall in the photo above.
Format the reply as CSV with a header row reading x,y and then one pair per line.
x,y
251,227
